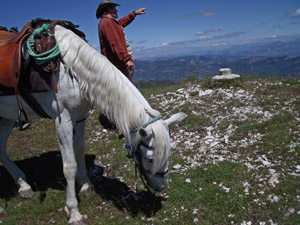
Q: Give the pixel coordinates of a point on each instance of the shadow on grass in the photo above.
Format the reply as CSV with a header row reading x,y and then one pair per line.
x,y
45,171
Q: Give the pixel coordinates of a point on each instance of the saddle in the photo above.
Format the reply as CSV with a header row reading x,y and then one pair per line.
x,y
20,75
10,55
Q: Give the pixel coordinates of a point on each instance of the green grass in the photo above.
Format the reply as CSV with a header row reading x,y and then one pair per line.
x,y
206,189
223,192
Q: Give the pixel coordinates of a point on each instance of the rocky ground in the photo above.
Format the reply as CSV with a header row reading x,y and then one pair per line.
x,y
229,132
230,123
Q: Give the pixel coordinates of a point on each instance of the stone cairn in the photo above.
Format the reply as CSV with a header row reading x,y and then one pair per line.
x,y
225,74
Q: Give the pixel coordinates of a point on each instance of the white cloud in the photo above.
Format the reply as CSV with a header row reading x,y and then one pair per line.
x,y
293,14
208,13
162,45
200,33
223,36
201,13
296,13
196,42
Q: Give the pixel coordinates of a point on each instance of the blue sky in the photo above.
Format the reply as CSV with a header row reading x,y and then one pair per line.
x,y
170,26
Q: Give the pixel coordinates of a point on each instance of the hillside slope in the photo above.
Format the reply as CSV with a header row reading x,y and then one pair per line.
x,y
236,161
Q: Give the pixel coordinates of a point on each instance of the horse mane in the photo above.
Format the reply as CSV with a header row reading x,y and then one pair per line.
x,y
103,83
111,92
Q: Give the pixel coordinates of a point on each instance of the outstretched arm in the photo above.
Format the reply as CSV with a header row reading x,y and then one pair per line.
x,y
140,11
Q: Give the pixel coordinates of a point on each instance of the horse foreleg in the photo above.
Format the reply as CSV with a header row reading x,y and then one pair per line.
x,y
64,129
79,145
25,190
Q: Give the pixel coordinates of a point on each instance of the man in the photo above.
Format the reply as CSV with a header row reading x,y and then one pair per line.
x,y
112,38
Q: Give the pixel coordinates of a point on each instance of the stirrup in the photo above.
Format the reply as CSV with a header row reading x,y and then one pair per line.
x,y
22,124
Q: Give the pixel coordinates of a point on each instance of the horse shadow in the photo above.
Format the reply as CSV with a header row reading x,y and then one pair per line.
x,y
46,171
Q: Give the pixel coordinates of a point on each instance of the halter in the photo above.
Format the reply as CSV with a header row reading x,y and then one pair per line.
x,y
135,152
130,148
145,125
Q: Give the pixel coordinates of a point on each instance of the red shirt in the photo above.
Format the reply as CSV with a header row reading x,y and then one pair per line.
x,y
112,39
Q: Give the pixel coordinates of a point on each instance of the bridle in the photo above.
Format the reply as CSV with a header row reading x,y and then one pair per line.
x,y
135,152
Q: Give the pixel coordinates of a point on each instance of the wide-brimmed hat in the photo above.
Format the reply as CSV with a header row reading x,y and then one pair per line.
x,y
104,4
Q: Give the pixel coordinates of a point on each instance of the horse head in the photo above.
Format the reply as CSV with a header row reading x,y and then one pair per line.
x,y
152,149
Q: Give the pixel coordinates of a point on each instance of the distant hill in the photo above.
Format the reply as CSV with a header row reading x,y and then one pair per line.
x,y
270,47
179,68
273,49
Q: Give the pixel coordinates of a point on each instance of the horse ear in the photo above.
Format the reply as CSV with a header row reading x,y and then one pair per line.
x,y
145,133
176,118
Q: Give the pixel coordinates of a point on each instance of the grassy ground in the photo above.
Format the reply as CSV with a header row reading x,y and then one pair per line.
x,y
236,162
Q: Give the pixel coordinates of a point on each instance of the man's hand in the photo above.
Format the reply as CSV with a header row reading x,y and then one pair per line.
x,y
140,11
131,65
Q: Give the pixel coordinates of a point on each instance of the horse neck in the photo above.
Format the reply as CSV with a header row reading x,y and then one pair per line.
x,y
111,92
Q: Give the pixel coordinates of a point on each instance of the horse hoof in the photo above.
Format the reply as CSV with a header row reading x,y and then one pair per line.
x,y
25,190
76,218
28,193
87,189
78,223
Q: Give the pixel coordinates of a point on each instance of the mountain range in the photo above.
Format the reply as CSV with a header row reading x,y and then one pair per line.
x,y
280,59
179,68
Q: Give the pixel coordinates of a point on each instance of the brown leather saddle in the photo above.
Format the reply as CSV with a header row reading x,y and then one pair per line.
x,y
20,75
10,54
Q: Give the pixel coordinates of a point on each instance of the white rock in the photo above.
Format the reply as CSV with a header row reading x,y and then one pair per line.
x,y
214,144
177,166
289,212
250,167
272,171
210,128
226,139
274,179
226,77
195,211
273,198
225,71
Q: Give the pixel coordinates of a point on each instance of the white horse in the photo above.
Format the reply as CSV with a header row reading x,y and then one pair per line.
x,y
94,80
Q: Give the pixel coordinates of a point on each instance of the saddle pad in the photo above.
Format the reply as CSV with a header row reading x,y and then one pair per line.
x,y
35,81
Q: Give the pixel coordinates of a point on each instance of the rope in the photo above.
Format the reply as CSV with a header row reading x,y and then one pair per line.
x,y
45,56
